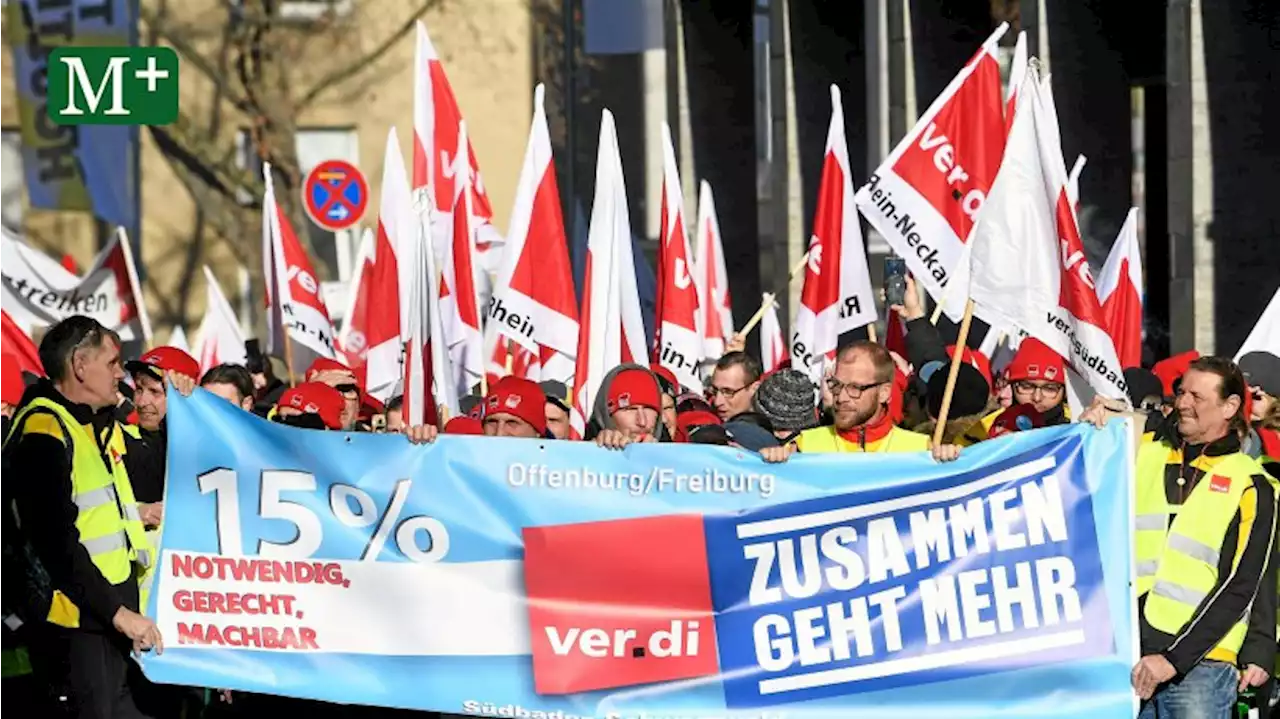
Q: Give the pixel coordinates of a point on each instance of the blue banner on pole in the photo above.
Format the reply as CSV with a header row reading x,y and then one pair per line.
x,y
89,168
533,578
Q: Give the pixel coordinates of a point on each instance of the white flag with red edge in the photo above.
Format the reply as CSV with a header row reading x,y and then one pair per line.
x,y
1265,336
837,295
459,302
39,291
1120,292
612,329
294,297
219,339
773,344
677,338
928,193
533,304
714,305
1028,265
436,144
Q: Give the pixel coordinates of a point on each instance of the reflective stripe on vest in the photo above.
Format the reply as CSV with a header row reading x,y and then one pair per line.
x,y
107,520
1178,565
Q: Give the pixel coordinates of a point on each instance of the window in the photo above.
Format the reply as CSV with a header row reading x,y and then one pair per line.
x,y
11,178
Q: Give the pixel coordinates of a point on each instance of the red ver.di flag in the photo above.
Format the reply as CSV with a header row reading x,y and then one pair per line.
x,y
294,300
926,196
837,288
677,341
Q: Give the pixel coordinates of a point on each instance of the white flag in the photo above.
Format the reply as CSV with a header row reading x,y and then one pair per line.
x,y
612,327
219,339
1265,336
1028,265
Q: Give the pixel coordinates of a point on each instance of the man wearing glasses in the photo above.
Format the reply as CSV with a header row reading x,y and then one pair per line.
x,y
734,384
1037,375
858,392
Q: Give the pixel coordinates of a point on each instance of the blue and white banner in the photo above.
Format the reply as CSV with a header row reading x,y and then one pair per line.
x,y
529,578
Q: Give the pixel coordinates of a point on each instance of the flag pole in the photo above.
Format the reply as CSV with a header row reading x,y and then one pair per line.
x,y
288,357
767,300
134,286
871,332
961,341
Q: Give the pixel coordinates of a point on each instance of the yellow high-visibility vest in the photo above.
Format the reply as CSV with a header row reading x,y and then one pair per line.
x,y
826,439
1177,561
108,522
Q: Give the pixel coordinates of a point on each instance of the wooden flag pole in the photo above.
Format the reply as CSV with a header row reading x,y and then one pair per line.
x,y
962,341
288,356
871,332
767,300
442,413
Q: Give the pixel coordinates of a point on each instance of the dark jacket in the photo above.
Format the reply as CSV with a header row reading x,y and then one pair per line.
x,y
41,487
145,459
268,397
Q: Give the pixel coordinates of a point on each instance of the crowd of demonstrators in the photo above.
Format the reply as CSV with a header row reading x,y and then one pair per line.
x,y
1206,478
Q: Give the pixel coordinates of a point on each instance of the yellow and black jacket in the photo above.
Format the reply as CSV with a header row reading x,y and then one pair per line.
x,y
1199,576
42,487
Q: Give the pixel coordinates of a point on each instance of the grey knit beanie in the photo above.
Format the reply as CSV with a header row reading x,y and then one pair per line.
x,y
788,399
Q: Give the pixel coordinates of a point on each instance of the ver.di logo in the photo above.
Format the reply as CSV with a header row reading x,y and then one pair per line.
x,y
113,86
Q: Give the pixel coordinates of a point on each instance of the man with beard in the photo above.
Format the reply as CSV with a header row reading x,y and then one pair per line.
x,y
859,388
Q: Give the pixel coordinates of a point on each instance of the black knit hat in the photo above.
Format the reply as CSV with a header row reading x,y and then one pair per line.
x,y
969,397
1262,370
787,399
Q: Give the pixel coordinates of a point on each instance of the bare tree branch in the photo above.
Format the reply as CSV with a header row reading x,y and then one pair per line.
x,y
192,57
363,63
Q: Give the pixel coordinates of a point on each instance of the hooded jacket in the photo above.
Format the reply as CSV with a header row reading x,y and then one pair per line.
x,y
601,419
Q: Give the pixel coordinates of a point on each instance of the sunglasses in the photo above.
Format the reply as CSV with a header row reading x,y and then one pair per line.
x,y
348,388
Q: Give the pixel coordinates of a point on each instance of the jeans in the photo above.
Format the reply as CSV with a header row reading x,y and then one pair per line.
x,y
1208,691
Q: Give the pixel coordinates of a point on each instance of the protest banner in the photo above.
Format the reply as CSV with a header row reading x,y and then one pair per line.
x,y
531,578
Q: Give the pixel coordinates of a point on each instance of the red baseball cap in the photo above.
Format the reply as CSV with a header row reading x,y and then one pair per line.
x,y
464,425
633,388
324,364
316,398
165,359
1035,360
520,398
11,383
687,421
